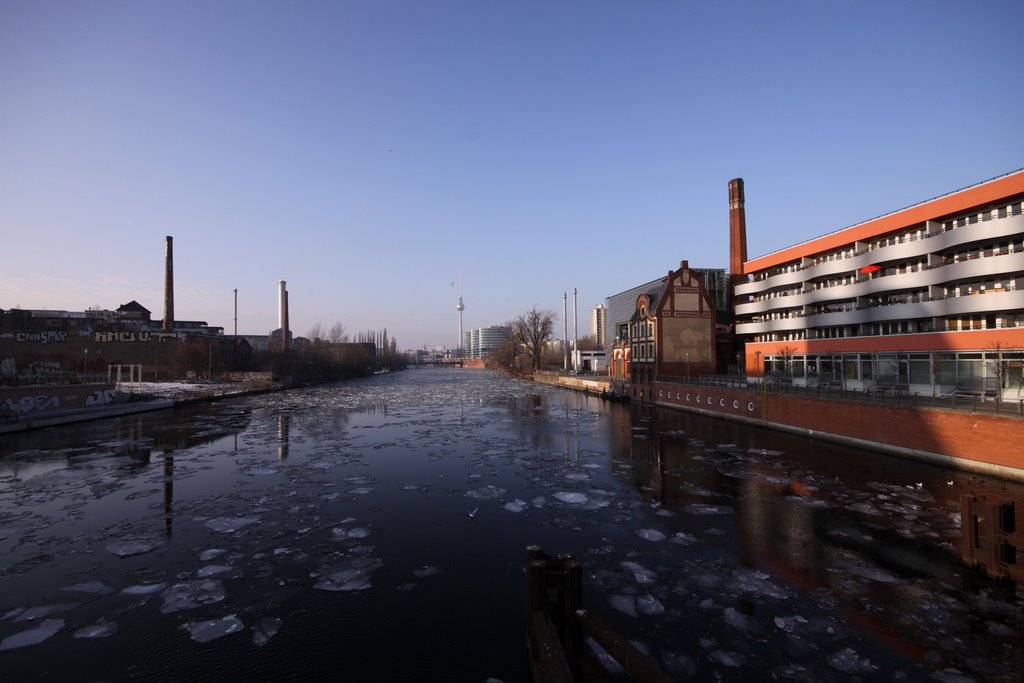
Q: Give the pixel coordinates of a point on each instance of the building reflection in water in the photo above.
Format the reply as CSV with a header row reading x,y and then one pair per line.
x,y
990,538
168,492
283,426
865,528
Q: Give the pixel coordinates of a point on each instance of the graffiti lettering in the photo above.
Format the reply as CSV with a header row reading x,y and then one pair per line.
x,y
48,337
107,337
30,404
100,398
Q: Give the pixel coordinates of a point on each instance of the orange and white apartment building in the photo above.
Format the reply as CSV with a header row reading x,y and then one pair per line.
x,y
928,299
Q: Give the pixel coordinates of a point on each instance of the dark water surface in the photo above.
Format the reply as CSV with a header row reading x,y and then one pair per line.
x,y
326,534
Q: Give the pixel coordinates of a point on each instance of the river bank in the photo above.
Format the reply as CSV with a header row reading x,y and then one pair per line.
x,y
42,408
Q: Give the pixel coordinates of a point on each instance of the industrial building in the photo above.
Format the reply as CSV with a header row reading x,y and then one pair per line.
x,y
926,299
619,308
671,334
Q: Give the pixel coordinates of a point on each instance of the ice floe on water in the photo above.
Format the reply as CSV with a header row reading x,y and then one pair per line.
x,y
213,570
212,629
229,525
515,505
99,629
32,636
641,574
264,629
650,535
129,548
143,589
426,571
848,661
700,509
572,498
93,587
190,594
350,575
489,492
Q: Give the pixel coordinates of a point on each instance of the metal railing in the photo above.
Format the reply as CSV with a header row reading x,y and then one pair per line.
x,y
889,395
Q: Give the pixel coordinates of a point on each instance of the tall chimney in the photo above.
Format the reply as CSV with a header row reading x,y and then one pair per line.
x,y
169,286
282,312
737,232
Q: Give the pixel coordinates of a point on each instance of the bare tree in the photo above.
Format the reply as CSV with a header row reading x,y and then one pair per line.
x,y
336,335
532,330
316,331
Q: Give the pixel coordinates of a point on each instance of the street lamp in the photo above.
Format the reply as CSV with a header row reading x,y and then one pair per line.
x,y
687,366
86,365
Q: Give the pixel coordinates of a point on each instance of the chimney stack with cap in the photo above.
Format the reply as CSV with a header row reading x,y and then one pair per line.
x,y
169,286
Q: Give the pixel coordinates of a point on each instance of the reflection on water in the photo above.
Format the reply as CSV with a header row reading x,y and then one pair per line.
x,y
391,515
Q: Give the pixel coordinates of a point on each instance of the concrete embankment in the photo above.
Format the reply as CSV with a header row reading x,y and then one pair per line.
x,y
598,386
42,406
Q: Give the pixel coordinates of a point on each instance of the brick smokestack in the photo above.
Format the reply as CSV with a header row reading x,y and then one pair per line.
x,y
737,232
169,286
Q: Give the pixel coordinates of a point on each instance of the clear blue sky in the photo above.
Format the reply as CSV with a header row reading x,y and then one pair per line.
x,y
367,152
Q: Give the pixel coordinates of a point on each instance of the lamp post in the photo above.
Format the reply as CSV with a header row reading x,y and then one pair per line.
x,y
565,332
85,365
687,366
757,370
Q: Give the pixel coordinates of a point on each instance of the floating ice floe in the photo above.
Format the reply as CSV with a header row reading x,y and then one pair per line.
x,y
190,594
143,589
361,490
264,630
649,606
213,570
641,574
736,619
571,498
650,535
343,534
515,505
789,624
730,659
425,571
352,577
849,662
683,538
206,631
763,451
700,509
100,629
93,587
489,492
211,553
228,525
125,549
32,636
539,502
40,611
873,573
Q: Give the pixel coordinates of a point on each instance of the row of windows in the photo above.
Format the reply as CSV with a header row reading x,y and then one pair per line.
x,y
909,235
986,321
942,368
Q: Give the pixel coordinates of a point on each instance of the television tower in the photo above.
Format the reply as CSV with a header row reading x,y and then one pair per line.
x,y
460,307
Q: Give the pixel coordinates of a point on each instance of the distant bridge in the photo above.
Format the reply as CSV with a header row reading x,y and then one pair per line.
x,y
441,362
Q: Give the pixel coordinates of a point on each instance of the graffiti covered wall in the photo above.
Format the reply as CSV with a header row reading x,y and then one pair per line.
x,y
27,401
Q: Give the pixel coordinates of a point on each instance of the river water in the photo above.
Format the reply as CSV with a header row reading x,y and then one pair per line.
x,y
377,530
